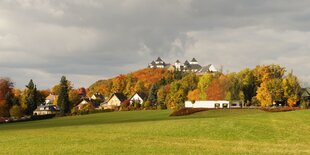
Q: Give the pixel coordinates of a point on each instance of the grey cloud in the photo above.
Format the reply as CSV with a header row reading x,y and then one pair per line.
x,y
89,40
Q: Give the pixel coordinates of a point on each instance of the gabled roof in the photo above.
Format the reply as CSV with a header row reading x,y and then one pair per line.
x,y
46,107
186,63
159,59
194,60
177,61
205,69
142,95
305,92
120,96
98,95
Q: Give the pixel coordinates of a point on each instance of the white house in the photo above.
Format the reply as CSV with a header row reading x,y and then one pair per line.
x,y
116,99
46,109
137,98
207,104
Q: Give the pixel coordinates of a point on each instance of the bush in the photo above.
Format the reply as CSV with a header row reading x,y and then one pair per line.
x,y
187,111
40,117
146,104
305,105
279,109
16,111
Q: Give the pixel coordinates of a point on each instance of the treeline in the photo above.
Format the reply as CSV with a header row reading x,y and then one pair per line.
x,y
17,103
263,85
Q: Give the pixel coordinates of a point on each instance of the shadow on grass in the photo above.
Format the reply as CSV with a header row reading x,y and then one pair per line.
x,y
118,117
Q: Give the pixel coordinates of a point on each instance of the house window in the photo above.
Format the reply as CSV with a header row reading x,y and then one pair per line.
x,y
225,105
217,105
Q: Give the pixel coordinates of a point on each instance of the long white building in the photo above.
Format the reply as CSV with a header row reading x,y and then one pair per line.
x,y
207,104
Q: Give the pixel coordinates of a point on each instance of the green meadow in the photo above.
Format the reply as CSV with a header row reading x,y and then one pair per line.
x,y
229,131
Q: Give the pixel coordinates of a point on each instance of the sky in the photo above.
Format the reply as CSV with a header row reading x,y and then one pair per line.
x,y
89,40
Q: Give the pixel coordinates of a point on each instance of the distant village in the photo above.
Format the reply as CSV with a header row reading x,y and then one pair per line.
x,y
137,100
98,101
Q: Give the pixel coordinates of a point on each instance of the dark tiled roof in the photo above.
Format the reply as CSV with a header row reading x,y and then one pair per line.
x,y
48,107
98,95
305,92
142,95
195,66
194,60
159,59
186,63
177,61
120,96
205,69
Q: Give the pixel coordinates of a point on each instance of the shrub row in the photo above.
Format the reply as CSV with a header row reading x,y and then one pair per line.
x,y
40,117
187,111
279,109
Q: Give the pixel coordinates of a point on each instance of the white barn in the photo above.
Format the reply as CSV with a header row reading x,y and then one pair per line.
x,y
207,104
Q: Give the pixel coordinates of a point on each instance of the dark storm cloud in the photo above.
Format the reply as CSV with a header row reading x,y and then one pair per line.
x,y
91,40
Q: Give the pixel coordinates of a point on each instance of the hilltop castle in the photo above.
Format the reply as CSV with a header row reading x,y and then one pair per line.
x,y
187,66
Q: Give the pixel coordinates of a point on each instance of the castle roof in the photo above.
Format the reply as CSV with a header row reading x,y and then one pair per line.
x,y
194,60
159,59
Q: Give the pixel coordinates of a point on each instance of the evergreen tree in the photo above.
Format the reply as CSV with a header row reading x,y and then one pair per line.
x,y
9,98
153,94
31,97
63,98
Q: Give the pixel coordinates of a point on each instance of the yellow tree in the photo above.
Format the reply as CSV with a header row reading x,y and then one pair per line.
x,y
291,89
119,83
203,84
263,95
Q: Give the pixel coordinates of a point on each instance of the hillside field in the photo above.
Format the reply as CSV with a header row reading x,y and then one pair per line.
x,y
154,132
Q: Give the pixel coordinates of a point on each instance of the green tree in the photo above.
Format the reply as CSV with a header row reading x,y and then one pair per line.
x,y
248,85
153,94
30,97
234,87
63,98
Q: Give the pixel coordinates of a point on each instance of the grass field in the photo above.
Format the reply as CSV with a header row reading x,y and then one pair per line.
x,y
154,132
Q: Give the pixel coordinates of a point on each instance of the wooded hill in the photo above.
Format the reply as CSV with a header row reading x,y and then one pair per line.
x,y
263,85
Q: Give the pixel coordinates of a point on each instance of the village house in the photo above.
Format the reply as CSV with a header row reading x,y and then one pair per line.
x,y
116,99
137,98
86,102
95,100
97,96
46,109
305,94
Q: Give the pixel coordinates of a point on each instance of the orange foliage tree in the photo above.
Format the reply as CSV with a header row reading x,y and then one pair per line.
x,y
194,95
218,88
